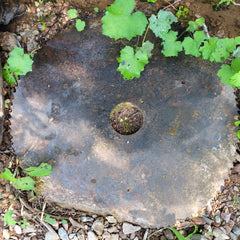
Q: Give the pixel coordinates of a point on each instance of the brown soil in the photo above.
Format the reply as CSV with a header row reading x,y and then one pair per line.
x,y
126,118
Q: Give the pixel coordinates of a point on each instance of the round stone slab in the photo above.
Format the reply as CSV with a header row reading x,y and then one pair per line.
x,y
167,170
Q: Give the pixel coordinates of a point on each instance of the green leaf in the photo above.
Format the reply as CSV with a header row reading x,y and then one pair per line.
x,y
161,24
235,80
64,221
118,21
238,134
50,220
147,47
171,47
152,1
72,13
96,9
177,233
191,46
8,175
1,196
225,1
195,25
131,64
7,75
236,65
43,170
25,183
225,73
8,218
237,123
80,25
237,40
217,49
19,63
230,74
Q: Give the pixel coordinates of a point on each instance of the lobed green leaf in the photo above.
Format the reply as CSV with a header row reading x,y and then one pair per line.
x,y
195,25
161,23
131,64
80,25
118,21
171,47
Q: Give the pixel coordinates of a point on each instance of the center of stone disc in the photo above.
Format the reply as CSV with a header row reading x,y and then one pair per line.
x,y
126,118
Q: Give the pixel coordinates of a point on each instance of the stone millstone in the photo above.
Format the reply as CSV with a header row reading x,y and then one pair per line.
x,y
170,168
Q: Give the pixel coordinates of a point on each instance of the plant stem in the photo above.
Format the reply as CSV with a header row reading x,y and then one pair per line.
x,y
137,42
145,35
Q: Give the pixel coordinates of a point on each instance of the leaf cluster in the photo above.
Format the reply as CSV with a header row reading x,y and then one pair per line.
x,y
27,183
8,219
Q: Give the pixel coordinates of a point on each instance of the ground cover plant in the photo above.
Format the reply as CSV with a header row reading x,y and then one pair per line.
x,y
133,59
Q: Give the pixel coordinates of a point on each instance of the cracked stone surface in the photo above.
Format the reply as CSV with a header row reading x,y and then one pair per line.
x,y
168,170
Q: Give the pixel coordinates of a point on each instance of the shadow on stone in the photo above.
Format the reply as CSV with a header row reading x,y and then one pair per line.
x,y
167,170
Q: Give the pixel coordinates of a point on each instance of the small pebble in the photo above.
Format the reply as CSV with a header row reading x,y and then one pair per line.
x,y
98,226
114,237
168,234
129,228
111,219
17,229
112,229
6,234
63,234
91,236
236,230
219,234
86,219
81,235
233,236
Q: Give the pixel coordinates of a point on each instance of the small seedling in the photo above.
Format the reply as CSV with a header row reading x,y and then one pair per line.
x,y
182,12
96,9
64,221
50,220
236,200
180,236
80,25
72,13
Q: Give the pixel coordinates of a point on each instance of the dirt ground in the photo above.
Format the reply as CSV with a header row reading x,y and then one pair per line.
x,y
222,214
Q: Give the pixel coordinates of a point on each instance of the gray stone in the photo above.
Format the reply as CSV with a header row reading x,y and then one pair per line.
x,y
17,229
81,235
73,236
129,228
112,229
169,169
168,234
198,237
85,219
106,235
62,234
233,236
219,234
50,235
98,226
226,217
29,229
208,220
6,234
236,230
91,236
114,237
111,219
